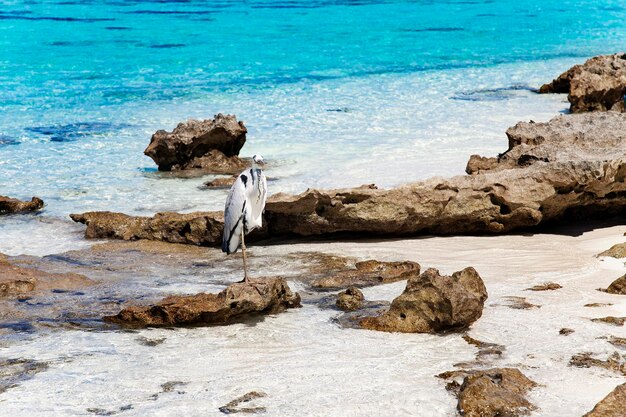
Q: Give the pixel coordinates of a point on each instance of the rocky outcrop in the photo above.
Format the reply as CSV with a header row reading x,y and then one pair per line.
x,y
262,296
434,303
613,405
572,166
368,273
351,299
597,85
567,169
10,205
491,393
615,362
618,286
615,251
199,228
208,144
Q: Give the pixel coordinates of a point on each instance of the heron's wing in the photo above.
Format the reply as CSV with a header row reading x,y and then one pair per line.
x,y
257,194
234,215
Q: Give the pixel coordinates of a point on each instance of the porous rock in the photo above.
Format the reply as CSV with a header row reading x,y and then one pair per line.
x,y
497,392
613,405
264,296
198,228
368,273
597,85
618,286
351,299
432,302
10,205
210,144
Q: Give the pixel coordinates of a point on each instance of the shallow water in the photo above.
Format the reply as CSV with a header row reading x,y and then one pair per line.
x,y
334,94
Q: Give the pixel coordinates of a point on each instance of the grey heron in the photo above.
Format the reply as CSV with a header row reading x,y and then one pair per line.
x,y
244,207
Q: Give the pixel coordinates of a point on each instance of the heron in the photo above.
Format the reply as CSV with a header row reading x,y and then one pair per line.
x,y
244,207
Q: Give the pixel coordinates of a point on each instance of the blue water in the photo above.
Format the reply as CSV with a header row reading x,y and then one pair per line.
x,y
333,92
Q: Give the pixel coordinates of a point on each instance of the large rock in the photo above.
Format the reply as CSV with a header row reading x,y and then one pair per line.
x,y
613,405
570,167
264,296
209,144
499,392
597,85
200,228
434,303
10,205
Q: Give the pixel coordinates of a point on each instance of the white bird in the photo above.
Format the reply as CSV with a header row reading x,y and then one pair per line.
x,y
244,207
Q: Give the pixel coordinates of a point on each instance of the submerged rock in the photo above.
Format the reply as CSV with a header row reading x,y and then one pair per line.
x,y
613,405
548,286
222,182
235,406
15,371
368,273
10,205
434,303
209,144
351,299
597,85
199,228
615,321
491,393
615,362
618,286
264,296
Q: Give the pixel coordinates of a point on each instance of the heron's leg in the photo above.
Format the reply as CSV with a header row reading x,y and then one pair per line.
x,y
245,264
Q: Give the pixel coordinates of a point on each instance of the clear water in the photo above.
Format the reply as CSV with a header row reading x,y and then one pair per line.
x,y
333,92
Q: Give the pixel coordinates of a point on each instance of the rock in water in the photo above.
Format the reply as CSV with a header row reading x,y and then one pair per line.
x,y
613,405
10,205
495,393
368,273
434,303
200,228
618,286
265,296
200,144
351,299
597,85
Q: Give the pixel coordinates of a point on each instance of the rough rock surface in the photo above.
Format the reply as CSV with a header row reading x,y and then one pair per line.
x,y
618,286
615,321
597,85
615,362
613,405
191,142
351,299
548,286
571,166
368,273
434,303
221,182
264,296
199,228
616,251
495,392
10,205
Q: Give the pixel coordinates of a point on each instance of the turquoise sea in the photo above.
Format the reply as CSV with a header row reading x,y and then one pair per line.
x,y
334,93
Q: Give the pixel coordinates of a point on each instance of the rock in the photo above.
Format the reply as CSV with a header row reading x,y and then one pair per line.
x,y
491,393
618,341
615,321
434,303
612,405
565,331
368,273
199,228
234,405
548,286
615,362
216,162
191,142
569,168
618,286
221,182
10,205
597,305
486,350
518,303
616,251
350,299
478,164
597,85
265,296
15,371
